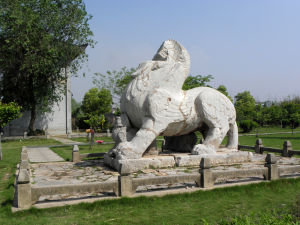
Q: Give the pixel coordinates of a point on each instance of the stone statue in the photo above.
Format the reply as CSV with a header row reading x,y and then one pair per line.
x,y
154,104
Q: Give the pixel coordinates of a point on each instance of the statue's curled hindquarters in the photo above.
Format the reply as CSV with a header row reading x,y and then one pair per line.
x,y
154,104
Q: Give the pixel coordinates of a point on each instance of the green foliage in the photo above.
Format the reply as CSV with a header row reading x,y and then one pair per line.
x,y
96,121
78,116
267,218
115,81
291,112
95,104
9,112
37,40
245,106
196,81
224,91
247,125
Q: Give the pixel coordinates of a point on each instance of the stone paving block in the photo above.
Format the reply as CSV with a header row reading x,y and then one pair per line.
x,y
43,154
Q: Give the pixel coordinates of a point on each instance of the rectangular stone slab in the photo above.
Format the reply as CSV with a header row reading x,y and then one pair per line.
x,y
217,159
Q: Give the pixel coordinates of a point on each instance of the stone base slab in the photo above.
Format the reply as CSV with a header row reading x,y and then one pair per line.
x,y
171,159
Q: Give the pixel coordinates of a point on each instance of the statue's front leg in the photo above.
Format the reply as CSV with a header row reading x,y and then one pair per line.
x,y
135,148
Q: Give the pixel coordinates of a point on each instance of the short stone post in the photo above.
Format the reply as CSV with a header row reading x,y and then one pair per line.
x,y
87,136
25,135
75,154
125,185
47,135
92,137
287,146
108,133
258,146
271,164
23,189
207,179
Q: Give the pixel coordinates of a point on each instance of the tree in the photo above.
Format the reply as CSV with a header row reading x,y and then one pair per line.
x,y
115,81
37,39
223,90
95,104
291,112
196,81
245,106
8,112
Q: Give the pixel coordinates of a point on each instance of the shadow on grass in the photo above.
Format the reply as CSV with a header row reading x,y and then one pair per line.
x,y
282,138
7,202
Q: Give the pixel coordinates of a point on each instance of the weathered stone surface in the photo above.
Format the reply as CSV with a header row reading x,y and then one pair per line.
x,y
287,146
271,158
125,189
133,165
24,164
24,196
216,159
23,177
43,154
154,104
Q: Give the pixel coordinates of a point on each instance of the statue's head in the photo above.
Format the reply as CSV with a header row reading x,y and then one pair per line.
x,y
172,51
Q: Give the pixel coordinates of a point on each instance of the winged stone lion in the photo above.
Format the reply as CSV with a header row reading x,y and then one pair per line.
x,y
154,104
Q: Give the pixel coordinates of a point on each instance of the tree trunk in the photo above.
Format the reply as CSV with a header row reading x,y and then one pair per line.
x,y
32,119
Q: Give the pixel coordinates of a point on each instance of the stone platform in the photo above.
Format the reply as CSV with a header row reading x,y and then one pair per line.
x,y
174,159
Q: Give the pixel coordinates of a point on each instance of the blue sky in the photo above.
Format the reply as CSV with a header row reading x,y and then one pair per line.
x,y
249,45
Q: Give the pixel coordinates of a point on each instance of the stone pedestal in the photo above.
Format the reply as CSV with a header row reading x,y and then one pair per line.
x,y
174,159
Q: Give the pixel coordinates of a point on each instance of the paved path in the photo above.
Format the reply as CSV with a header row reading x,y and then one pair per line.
x,y
43,154
66,141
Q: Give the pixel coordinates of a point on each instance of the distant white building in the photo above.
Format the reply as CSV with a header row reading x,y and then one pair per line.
x,y
58,122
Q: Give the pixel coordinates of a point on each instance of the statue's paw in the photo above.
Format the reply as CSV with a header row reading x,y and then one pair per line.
x,y
126,151
201,149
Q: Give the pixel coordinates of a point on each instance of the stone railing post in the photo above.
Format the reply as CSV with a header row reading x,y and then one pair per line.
x,y
25,135
206,173
125,185
75,154
108,133
258,146
24,154
271,163
287,146
92,138
23,189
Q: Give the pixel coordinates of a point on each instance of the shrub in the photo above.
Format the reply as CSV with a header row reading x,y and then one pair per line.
x,y
247,125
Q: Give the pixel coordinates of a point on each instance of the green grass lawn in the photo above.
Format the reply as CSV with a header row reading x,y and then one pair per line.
x,y
273,202
66,152
274,140
11,151
272,130
83,139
